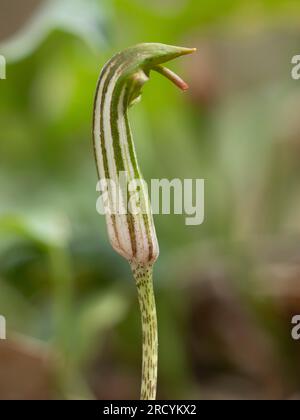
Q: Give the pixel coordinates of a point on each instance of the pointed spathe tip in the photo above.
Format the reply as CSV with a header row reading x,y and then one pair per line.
x,y
179,51
188,50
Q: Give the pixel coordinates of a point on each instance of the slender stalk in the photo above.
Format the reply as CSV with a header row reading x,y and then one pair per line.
x,y
144,282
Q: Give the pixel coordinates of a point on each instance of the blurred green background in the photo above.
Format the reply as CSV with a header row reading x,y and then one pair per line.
x,y
226,290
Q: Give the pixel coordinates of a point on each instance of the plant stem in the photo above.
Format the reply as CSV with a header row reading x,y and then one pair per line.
x,y
143,277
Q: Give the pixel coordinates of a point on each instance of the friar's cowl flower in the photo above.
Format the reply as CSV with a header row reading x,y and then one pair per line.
x,y
131,233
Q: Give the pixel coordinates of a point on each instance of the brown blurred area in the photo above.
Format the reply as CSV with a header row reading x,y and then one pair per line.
x,y
26,370
14,14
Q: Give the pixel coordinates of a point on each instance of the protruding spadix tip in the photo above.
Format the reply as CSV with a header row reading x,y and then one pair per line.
x,y
173,77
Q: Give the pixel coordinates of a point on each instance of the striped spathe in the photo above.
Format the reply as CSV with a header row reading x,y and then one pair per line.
x,y
119,86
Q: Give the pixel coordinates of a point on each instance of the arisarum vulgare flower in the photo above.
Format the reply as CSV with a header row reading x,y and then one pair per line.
x,y
132,234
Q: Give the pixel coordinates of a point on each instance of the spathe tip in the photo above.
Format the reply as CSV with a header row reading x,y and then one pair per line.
x,y
188,50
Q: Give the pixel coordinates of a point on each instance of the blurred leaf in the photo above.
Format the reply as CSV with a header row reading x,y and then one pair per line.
x,y
47,231
99,315
16,308
83,18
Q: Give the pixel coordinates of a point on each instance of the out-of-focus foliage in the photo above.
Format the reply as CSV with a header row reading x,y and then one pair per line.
x,y
225,289
79,17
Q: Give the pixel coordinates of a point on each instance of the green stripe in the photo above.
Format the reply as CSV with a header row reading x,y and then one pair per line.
x,y
102,137
137,172
118,155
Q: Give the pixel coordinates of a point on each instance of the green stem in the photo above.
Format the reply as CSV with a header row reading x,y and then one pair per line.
x,y
143,277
